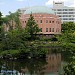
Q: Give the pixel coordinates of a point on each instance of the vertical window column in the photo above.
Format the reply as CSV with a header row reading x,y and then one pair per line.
x,y
46,29
40,21
49,29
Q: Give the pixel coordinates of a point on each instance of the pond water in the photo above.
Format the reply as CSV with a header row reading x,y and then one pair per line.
x,y
51,65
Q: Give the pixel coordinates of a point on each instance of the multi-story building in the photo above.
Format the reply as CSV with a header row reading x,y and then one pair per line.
x,y
45,17
47,21
66,14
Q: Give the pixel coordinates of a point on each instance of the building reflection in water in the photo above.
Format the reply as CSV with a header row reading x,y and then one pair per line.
x,y
50,65
54,63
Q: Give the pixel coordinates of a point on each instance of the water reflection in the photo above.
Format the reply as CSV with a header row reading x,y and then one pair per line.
x,y
49,66
54,63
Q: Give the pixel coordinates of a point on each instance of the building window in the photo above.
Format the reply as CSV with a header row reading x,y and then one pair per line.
x,y
50,30
71,15
41,29
46,29
40,21
65,18
71,12
59,9
49,21
65,12
71,18
52,21
25,21
65,9
46,21
59,12
60,16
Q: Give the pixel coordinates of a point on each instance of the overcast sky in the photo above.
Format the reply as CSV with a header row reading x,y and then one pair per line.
x,y
13,5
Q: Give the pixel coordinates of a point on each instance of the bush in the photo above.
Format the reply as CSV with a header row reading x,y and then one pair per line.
x,y
69,69
54,39
13,53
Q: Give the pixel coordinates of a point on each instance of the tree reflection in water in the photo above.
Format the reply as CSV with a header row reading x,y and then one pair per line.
x,y
32,66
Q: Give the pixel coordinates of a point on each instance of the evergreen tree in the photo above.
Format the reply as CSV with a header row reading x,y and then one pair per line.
x,y
1,31
0,18
32,27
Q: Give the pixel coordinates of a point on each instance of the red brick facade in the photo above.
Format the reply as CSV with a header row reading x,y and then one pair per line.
x,y
49,23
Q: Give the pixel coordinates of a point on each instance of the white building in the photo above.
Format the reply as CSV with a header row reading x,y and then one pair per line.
x,y
66,14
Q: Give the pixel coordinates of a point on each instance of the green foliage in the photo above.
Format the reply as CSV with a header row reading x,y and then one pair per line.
x,y
1,32
12,39
54,39
68,30
68,27
0,18
13,18
32,27
14,53
69,69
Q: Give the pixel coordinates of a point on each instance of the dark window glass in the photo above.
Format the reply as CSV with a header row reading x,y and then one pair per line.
x,y
52,21
46,29
49,21
25,21
40,21
50,30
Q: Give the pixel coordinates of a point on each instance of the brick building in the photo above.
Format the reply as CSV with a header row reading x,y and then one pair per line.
x,y
45,17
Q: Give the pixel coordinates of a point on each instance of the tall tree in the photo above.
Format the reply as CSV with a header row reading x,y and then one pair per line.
x,y
13,20
68,27
1,31
0,18
68,32
32,27
14,17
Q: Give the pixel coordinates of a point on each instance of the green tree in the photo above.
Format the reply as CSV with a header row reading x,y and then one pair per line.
x,y
15,18
69,69
1,31
68,27
32,27
68,32
0,18
11,19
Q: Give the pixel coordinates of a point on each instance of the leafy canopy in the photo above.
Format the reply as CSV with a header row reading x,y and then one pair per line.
x,y
0,18
32,27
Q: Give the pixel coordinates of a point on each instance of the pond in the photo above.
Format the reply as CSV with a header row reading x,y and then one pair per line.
x,y
51,65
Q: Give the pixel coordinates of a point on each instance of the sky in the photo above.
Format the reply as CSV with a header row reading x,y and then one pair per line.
x,y
13,5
